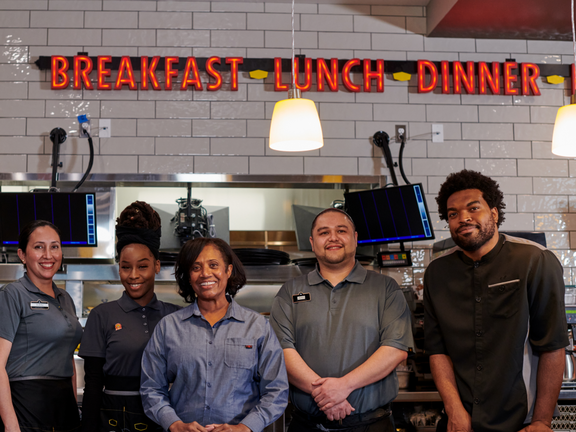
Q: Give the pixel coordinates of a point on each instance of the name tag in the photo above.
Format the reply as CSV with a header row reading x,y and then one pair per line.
x,y
39,304
301,297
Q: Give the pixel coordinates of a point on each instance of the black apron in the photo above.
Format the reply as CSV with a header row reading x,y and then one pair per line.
x,y
121,409
45,405
124,414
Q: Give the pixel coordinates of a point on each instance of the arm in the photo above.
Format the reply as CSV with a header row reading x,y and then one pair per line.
x,y
273,384
549,382
6,408
332,391
74,383
92,400
395,337
299,373
154,383
445,380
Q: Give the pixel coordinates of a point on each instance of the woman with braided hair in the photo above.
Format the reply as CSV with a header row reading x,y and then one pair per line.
x,y
117,332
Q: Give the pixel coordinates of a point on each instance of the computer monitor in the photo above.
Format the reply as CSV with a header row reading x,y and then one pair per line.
x,y
73,213
303,218
390,215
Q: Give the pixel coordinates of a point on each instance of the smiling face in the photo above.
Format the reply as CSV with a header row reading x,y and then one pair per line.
x,y
209,275
138,269
333,239
473,224
43,255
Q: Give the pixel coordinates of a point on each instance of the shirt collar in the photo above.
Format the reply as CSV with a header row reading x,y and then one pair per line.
x,y
29,285
235,311
128,304
490,255
357,275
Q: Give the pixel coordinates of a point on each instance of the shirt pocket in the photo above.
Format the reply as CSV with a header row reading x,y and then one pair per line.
x,y
504,298
240,353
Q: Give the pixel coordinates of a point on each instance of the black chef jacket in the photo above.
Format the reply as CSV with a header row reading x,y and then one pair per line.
x,y
492,317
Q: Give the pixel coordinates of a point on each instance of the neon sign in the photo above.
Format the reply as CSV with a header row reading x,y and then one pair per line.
x,y
184,74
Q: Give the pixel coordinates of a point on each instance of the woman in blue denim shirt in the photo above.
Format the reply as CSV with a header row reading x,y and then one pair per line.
x,y
213,366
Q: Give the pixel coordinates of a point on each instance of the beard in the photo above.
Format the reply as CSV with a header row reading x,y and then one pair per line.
x,y
342,256
473,242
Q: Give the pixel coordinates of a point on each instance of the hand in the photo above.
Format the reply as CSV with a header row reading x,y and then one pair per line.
x,y
227,428
460,421
329,392
537,426
180,426
339,411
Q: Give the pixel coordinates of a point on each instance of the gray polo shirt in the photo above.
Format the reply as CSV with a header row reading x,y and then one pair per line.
x,y
119,331
340,327
44,331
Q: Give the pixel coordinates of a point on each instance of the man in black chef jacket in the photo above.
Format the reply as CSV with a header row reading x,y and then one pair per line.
x,y
343,331
495,323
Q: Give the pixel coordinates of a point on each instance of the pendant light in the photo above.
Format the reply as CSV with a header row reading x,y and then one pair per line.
x,y
295,124
564,137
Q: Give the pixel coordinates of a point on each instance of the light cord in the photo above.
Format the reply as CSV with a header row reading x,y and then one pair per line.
x,y
573,33
294,76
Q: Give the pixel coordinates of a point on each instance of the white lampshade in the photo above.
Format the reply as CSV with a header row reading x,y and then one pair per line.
x,y
295,126
564,137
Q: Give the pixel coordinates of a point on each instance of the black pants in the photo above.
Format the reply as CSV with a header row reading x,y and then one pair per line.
x,y
379,420
442,425
125,414
45,405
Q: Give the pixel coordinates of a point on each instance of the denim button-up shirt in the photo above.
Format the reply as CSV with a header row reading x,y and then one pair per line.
x,y
231,373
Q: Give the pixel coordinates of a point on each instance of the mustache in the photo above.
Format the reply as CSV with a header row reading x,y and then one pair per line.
x,y
333,244
463,226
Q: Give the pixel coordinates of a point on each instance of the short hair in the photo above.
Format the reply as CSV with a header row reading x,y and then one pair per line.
x,y
188,256
467,179
30,227
328,210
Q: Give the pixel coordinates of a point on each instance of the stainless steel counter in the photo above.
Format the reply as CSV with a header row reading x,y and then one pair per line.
x,y
434,396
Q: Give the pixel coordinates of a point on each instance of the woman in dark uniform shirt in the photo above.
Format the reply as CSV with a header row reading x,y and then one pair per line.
x,y
39,332
117,332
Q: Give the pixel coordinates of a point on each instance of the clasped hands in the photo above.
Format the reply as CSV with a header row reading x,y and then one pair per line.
x,y
330,395
180,426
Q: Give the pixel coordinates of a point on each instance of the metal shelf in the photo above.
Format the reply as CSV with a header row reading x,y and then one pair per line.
x,y
200,180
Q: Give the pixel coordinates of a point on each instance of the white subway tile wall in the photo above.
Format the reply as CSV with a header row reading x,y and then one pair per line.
x,y
507,137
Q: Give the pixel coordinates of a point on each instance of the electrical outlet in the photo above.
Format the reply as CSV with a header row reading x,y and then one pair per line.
x,y
437,133
104,128
401,130
84,126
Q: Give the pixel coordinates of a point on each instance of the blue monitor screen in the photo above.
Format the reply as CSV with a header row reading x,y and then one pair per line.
x,y
390,215
73,213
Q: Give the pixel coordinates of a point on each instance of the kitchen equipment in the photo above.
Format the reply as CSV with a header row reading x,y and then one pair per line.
x,y
569,367
254,256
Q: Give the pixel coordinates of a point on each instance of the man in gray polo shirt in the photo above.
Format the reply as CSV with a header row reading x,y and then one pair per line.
x,y
343,330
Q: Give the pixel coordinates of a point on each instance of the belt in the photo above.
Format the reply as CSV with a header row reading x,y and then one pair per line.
x,y
122,385
322,422
37,377
121,393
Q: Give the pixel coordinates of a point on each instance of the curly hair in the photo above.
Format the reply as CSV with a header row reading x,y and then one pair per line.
x,y
467,179
188,256
139,223
139,214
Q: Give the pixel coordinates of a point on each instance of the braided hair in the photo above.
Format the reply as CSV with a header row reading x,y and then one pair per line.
x,y
139,223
